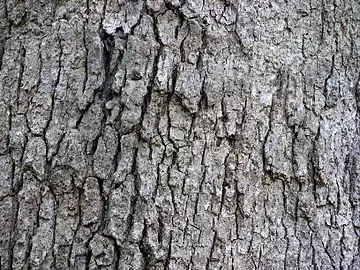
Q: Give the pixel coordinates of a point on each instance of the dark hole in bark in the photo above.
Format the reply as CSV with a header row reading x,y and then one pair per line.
x,y
135,76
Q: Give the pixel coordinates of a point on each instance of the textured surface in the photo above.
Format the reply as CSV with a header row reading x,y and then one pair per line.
x,y
179,134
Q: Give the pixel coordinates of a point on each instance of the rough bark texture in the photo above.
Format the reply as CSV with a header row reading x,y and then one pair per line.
x,y
179,134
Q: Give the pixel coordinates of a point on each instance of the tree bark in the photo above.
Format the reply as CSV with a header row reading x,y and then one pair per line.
x,y
179,134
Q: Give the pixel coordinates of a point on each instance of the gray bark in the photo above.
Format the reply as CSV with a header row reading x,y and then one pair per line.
x,y
179,134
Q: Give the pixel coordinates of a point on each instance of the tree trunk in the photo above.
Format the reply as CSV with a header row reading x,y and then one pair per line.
x,y
179,134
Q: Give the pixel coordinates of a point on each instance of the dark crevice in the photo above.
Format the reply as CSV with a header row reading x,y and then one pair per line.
x,y
199,63
174,77
168,256
171,188
264,159
203,102
103,14
22,55
86,59
117,250
192,125
2,50
88,256
78,226
177,11
150,87
182,43
56,83
240,215
326,90
8,137
108,40
14,231
280,84
82,114
135,196
243,116
161,228
286,236
204,170
210,259
223,193
144,249
116,159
